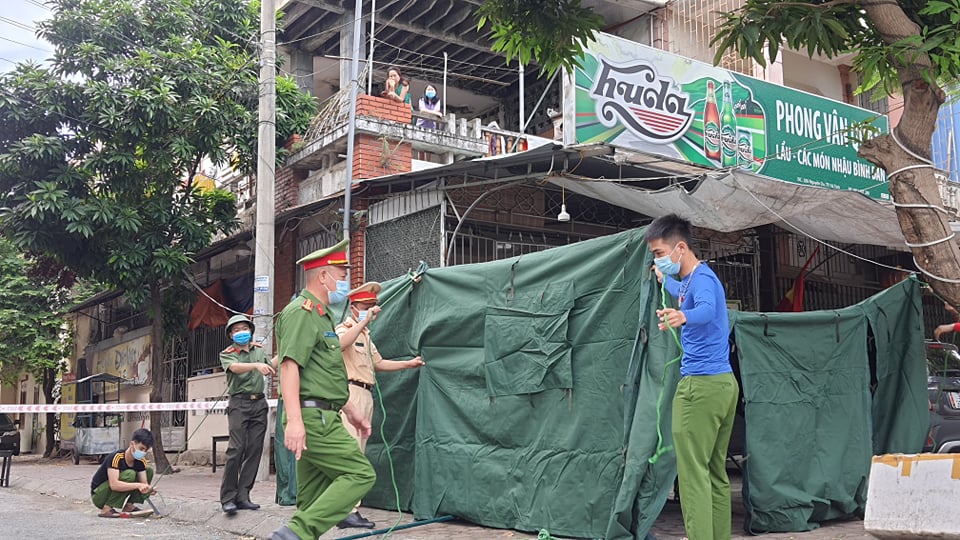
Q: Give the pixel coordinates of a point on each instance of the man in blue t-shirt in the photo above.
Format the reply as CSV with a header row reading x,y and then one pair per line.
x,y
706,397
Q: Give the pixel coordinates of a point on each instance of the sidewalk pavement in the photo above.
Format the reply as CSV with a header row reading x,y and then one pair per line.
x,y
192,495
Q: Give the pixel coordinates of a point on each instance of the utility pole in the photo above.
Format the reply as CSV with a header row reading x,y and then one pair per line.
x,y
352,123
264,233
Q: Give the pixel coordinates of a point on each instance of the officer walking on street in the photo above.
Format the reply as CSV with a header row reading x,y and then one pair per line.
x,y
245,364
332,472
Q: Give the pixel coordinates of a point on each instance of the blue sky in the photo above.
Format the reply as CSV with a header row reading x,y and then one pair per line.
x,y
28,47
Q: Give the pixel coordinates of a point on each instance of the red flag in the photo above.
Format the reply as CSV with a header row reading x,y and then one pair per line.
x,y
793,300
206,312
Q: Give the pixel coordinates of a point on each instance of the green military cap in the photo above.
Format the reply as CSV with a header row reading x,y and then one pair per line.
x,y
239,318
331,256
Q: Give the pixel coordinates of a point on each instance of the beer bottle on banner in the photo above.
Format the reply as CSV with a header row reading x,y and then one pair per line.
x,y
711,125
745,149
728,129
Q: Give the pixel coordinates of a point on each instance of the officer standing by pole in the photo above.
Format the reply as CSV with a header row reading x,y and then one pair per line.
x,y
245,363
332,472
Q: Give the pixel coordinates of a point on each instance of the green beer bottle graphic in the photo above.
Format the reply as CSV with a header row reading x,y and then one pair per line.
x,y
728,130
711,125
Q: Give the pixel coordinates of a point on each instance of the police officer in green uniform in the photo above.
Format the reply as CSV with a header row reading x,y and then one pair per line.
x,y
332,472
245,363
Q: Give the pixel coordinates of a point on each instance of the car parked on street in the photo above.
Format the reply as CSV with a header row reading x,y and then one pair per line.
x,y
9,434
943,392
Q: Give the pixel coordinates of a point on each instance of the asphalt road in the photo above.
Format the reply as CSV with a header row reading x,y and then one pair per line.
x,y
25,514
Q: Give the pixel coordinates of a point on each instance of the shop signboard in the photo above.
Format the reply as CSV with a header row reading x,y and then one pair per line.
x,y
644,99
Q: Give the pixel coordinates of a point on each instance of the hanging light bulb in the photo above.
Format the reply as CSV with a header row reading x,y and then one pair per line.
x,y
563,216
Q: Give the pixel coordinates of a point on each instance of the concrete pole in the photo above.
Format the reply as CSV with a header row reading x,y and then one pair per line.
x,y
352,123
264,233
373,19
523,112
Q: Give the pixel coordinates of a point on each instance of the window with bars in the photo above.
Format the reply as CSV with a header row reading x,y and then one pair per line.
x,y
694,23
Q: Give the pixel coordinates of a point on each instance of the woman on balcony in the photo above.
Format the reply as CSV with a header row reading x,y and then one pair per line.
x,y
396,88
430,106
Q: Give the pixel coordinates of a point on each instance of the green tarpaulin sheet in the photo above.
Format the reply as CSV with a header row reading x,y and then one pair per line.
x,y
546,377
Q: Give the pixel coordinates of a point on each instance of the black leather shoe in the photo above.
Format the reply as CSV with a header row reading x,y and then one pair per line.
x,y
229,508
356,521
247,505
283,533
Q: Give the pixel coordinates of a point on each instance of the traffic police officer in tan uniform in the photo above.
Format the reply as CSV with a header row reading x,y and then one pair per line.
x,y
245,363
362,358
332,472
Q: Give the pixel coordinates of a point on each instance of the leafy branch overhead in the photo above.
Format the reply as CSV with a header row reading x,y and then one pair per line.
x,y
837,27
550,33
909,48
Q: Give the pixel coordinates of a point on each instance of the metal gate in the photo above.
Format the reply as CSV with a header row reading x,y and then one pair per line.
x,y
738,267
174,389
326,237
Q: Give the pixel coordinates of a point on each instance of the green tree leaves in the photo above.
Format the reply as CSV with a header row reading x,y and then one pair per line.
x,y
832,28
98,150
549,32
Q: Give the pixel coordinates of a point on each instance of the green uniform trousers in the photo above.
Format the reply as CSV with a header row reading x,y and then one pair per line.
x,y
703,411
332,475
247,421
103,495
286,466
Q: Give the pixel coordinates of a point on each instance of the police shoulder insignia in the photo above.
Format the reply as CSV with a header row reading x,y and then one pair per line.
x,y
229,349
307,304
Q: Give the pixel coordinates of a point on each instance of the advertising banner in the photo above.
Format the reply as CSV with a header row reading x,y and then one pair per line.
x,y
639,98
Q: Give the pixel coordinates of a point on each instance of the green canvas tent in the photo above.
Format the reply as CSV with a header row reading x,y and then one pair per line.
x,y
548,387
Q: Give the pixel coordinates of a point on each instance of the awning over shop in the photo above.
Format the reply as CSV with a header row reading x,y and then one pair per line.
x,y
728,202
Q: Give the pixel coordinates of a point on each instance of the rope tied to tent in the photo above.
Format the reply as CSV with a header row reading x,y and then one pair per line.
x,y
661,449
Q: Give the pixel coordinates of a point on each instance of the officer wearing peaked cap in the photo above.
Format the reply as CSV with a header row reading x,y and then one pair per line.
x,y
332,472
245,363
362,359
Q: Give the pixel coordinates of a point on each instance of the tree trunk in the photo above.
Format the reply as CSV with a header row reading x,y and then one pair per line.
x,y
916,186
49,380
156,374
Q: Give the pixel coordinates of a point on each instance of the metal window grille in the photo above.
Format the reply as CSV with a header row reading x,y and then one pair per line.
x,y
694,23
398,245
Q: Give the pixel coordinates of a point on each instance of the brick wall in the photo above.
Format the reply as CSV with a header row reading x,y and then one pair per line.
x,y
376,155
287,188
384,108
358,248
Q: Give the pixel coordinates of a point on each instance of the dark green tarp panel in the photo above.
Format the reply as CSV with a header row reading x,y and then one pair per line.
x,y
811,422
901,414
546,381
517,420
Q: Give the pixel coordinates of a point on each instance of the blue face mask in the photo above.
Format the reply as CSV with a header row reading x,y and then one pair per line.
x,y
666,266
242,337
430,94
339,296
139,454
361,315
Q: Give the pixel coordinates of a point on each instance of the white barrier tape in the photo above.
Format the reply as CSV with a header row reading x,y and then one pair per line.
x,y
121,407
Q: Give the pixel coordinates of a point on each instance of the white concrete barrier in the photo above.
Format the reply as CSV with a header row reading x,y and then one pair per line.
x,y
914,496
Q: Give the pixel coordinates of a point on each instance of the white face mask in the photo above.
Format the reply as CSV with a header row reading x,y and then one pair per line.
x,y
361,315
